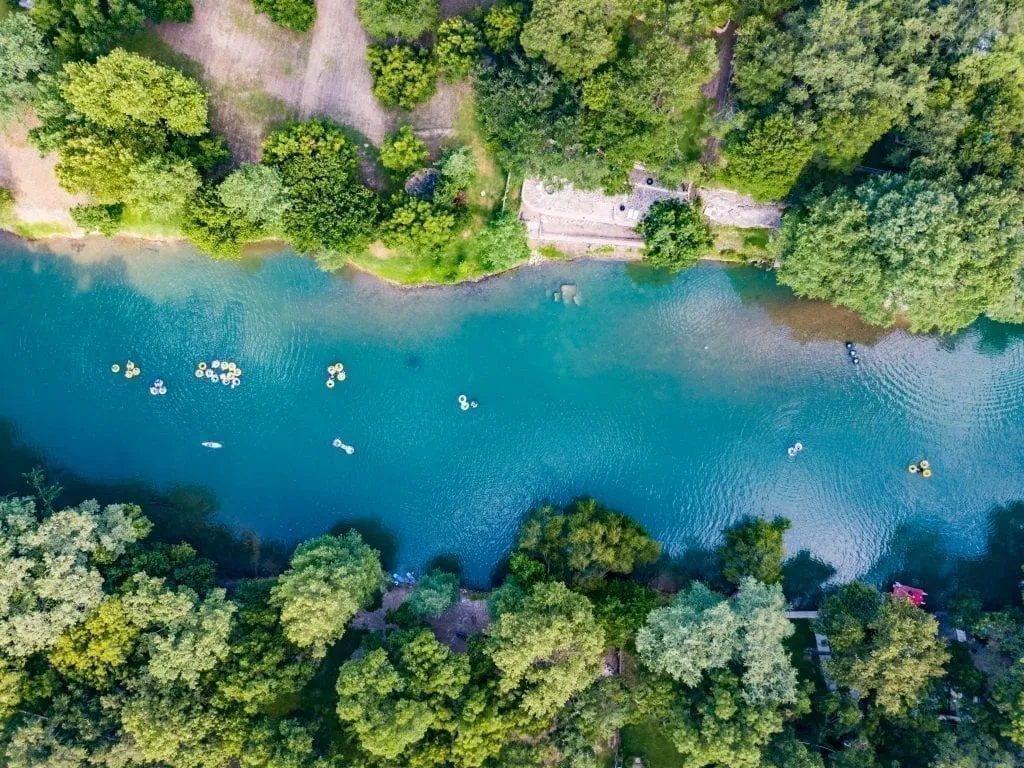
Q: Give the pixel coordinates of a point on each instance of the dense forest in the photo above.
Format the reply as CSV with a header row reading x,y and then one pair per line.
x,y
119,651
890,128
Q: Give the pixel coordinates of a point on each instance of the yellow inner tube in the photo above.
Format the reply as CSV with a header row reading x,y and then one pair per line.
x,y
115,368
926,473
912,468
341,376
330,383
201,366
199,373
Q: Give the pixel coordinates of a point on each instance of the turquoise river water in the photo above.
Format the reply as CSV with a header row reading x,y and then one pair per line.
x,y
672,400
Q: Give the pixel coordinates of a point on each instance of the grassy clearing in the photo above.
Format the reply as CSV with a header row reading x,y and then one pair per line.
x,y
140,225
797,645
256,104
38,229
487,190
740,245
650,743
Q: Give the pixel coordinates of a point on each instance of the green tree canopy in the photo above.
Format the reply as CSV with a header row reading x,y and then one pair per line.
x,y
575,36
457,48
753,547
328,580
766,159
419,225
675,235
547,650
403,151
293,14
403,75
23,57
435,593
585,541
257,193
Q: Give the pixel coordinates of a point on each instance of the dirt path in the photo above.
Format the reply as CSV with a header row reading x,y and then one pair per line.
x,y
717,88
38,198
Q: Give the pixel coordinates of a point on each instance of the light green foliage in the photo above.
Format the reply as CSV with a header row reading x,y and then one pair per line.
x,y
434,594
547,650
585,541
766,160
575,36
215,228
97,650
23,56
124,90
1008,697
403,76
457,48
419,225
502,25
12,680
884,648
293,14
6,206
105,219
675,235
934,254
160,188
36,745
49,580
392,698
701,632
753,547
257,193
590,720
501,245
398,18
788,752
328,580
403,151
328,208
458,171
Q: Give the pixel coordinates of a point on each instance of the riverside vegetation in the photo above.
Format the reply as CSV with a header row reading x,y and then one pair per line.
x,y
892,130
116,651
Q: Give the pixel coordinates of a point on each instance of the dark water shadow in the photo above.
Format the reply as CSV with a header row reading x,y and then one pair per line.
x,y
181,513
986,336
641,274
803,579
807,320
374,533
448,562
670,574
919,557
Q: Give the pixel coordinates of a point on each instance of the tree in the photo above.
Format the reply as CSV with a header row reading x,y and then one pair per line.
x,y
90,28
970,747
547,650
502,25
398,18
585,541
403,76
213,227
403,151
160,188
457,48
105,219
97,650
621,608
458,171
49,581
701,631
23,57
418,225
753,547
575,37
124,90
434,594
939,256
292,14
675,235
328,580
257,193
1008,697
766,160
884,648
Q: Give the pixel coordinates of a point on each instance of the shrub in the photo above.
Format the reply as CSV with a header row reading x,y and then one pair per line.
x,y
213,227
766,160
105,219
256,192
398,18
403,151
457,49
436,593
675,235
403,76
458,170
502,26
312,139
418,225
6,206
502,243
293,14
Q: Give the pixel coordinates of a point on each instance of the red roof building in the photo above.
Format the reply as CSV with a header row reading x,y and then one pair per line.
x,y
913,594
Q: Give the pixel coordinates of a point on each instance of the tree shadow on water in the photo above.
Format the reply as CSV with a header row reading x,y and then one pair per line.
x,y
182,513
803,579
374,533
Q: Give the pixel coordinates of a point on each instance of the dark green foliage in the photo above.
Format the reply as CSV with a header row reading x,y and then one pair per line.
x,y
328,208
621,608
91,28
23,57
935,254
398,18
403,75
105,219
293,14
584,542
213,227
501,245
457,48
418,225
766,160
753,548
675,235
575,36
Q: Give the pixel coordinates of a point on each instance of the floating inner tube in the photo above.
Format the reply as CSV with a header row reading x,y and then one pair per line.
x,y
162,390
336,442
849,345
349,450
926,473
856,361
331,370
799,446
913,468
473,403
115,368
339,367
791,451
463,398
215,364
924,464
464,406
201,366
154,391
330,383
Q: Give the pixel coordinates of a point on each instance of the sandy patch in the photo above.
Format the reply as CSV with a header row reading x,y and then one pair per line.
x,y
38,198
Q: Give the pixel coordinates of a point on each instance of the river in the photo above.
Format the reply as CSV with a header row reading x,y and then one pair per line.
x,y
672,400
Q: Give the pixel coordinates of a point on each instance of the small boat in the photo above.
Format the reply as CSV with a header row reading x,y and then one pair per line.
x,y
212,445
